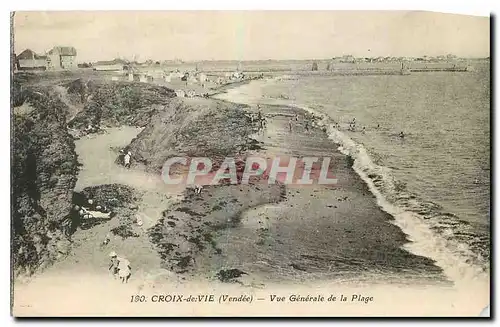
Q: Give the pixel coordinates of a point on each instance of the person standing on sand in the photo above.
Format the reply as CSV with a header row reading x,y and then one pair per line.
x,y
121,156
290,123
124,274
124,269
263,122
127,159
113,267
119,267
306,126
107,239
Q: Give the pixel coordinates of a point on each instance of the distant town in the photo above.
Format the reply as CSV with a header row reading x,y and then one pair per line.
x,y
65,58
190,79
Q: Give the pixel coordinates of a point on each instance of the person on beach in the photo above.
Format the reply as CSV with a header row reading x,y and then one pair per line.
x,y
124,274
296,117
127,159
91,204
113,267
306,126
290,124
197,189
402,135
263,123
107,239
124,269
364,130
120,267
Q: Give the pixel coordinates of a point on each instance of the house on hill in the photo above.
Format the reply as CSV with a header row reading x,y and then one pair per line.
x,y
28,59
60,57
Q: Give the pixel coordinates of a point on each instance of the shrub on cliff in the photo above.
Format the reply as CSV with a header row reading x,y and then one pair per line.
x,y
116,104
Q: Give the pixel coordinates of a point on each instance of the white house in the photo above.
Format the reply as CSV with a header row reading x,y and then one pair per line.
x,y
61,58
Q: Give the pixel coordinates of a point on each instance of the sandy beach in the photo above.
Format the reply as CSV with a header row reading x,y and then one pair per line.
x,y
325,239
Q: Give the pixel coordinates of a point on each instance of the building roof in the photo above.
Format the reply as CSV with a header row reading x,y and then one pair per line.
x,y
29,54
63,51
110,62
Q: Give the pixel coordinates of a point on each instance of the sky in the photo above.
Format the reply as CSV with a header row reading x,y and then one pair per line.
x,y
252,35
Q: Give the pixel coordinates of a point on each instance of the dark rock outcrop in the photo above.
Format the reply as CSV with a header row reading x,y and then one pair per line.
x,y
194,127
190,229
115,104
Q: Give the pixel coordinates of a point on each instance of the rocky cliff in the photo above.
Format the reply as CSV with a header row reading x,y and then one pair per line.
x,y
194,127
118,103
43,172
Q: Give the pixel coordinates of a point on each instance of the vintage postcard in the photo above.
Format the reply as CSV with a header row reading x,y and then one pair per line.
x,y
250,163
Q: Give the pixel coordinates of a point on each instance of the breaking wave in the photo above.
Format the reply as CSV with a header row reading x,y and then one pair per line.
x,y
454,244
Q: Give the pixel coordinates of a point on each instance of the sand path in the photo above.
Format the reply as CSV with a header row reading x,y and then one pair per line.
x,y
88,259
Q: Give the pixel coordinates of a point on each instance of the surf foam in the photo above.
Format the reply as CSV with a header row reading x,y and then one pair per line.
x,y
459,263
432,233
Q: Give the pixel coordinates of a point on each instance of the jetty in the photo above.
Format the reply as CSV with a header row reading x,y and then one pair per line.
x,y
440,69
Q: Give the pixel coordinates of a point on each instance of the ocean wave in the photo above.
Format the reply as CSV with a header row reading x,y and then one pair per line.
x,y
456,247
452,243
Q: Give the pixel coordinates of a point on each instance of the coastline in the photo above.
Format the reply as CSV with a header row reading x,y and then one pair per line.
x,y
359,226
424,241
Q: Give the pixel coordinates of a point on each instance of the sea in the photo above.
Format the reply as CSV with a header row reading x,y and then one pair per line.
x,y
435,180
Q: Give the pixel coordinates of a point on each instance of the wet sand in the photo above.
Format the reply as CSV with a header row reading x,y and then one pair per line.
x,y
320,232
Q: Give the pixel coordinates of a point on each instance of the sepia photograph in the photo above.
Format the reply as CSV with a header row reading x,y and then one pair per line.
x,y
250,163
